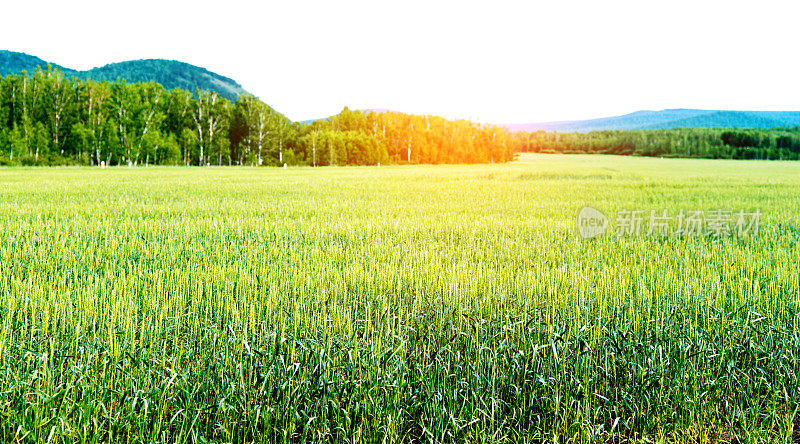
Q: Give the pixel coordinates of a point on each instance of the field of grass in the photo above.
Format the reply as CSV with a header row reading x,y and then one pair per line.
x,y
400,304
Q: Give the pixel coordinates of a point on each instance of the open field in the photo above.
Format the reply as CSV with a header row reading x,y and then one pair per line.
x,y
401,304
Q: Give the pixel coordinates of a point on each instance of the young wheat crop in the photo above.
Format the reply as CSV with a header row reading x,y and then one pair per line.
x,y
400,304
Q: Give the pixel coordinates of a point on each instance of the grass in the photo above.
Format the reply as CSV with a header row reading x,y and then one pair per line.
x,y
400,304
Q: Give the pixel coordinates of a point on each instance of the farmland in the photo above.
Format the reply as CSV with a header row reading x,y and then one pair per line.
x,y
396,304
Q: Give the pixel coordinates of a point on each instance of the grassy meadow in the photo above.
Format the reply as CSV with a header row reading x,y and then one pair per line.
x,y
400,304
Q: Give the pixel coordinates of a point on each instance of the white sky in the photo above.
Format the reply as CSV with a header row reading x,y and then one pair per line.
x,y
493,61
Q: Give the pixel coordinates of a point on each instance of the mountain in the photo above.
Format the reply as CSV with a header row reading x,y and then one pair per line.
x,y
16,62
170,73
670,118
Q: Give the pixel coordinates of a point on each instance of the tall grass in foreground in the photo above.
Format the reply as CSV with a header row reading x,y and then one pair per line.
x,y
418,304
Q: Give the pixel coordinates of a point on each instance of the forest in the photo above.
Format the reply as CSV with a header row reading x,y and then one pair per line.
x,y
711,143
48,118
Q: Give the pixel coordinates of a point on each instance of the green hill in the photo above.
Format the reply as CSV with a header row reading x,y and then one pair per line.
x,y
170,73
671,118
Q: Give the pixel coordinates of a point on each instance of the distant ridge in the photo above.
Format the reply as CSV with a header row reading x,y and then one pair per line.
x,y
169,73
670,118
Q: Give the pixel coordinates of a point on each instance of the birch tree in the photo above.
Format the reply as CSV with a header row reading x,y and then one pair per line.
x,y
98,95
149,115
58,95
209,115
121,104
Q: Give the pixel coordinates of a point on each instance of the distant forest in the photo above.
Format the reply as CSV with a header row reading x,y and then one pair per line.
x,y
713,143
50,119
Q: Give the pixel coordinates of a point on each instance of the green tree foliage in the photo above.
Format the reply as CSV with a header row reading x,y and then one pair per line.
x,y
364,138
714,143
256,133
48,118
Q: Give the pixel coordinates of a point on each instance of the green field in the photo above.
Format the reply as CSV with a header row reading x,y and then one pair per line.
x,y
400,304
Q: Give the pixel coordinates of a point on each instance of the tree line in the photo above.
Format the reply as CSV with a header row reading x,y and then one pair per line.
x,y
50,119
712,143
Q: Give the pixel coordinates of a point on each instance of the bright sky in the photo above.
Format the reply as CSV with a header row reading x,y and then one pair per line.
x,y
493,61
